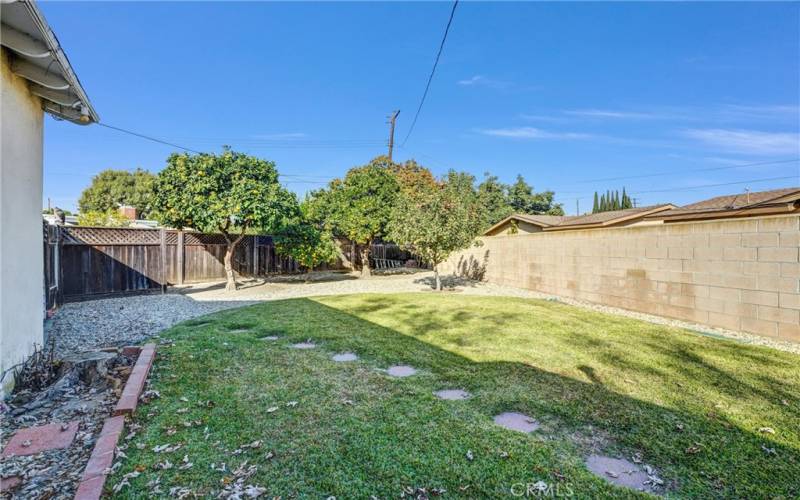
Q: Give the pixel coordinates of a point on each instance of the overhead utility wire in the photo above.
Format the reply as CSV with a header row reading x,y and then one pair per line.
x,y
642,176
148,137
430,78
715,185
332,144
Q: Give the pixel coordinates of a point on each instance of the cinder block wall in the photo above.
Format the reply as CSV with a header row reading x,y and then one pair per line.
x,y
739,274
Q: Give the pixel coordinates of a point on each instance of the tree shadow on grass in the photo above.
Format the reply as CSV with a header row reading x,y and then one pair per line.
x,y
730,462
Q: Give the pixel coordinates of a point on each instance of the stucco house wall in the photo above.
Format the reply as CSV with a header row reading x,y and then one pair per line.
x,y
21,259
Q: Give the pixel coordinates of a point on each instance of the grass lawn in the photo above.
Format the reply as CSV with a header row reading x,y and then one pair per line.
x,y
693,407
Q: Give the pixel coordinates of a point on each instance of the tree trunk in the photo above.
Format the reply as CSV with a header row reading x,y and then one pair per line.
x,y
230,285
365,271
437,279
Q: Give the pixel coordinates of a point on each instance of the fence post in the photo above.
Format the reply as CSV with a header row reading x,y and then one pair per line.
x,y
163,245
255,256
180,256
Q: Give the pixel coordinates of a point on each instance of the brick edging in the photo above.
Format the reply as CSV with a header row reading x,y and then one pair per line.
x,y
94,475
135,384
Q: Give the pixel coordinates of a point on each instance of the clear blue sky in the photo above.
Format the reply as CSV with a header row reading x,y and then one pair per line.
x,y
559,92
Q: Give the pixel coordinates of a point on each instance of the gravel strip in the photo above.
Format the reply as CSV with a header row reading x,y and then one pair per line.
x,y
112,322
86,326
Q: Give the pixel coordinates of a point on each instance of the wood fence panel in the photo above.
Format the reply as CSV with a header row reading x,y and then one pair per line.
x,y
86,262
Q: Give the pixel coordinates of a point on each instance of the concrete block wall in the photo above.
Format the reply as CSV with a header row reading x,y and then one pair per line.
x,y
739,274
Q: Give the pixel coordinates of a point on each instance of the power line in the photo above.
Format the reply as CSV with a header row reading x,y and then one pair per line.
x,y
715,185
642,176
430,78
148,137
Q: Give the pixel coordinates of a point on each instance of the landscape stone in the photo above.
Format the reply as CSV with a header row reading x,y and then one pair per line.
x,y
620,472
452,394
516,422
401,371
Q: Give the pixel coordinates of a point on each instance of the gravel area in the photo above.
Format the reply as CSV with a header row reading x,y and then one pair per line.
x,y
85,326
112,322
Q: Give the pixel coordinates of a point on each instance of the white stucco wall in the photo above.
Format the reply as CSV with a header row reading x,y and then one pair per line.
x,y
21,266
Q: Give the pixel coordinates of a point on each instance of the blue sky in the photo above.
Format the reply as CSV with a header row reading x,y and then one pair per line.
x,y
563,93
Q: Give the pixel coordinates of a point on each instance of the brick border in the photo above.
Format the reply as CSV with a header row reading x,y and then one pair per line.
x,y
94,475
135,384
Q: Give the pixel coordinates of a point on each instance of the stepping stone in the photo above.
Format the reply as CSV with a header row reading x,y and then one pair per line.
x,y
269,337
9,484
452,394
32,440
620,472
401,371
239,330
304,345
345,356
516,422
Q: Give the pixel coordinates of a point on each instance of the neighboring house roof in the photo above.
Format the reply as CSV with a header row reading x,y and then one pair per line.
x,y
612,217
37,57
784,200
601,219
537,220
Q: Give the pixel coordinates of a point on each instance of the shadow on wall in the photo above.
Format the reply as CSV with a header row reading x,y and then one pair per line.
x,y
471,268
396,330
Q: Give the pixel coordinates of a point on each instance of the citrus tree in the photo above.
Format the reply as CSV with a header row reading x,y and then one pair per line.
x,y
229,193
437,221
306,244
358,207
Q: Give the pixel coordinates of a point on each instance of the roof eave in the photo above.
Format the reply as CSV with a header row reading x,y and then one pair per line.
x,y
773,209
85,113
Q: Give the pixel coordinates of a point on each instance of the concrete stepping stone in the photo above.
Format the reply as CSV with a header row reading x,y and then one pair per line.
x,y
33,440
304,345
620,472
452,394
269,337
401,371
345,356
516,422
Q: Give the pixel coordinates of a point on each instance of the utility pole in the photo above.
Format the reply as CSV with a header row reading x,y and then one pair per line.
x,y
391,122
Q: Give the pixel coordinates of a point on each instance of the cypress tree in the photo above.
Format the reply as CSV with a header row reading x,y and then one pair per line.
x,y
626,200
595,204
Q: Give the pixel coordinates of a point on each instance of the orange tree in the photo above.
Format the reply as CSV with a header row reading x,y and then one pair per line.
x,y
229,193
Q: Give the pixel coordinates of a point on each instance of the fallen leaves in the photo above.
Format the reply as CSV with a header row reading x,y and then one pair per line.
x,y
694,449
470,456
124,481
167,448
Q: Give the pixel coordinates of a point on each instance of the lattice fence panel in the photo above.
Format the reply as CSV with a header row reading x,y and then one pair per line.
x,y
109,236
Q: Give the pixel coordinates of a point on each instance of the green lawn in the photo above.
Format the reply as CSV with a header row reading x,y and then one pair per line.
x,y
693,407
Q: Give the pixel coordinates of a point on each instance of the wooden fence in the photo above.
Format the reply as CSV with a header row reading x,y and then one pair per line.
x,y
93,262
87,262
